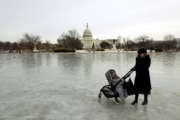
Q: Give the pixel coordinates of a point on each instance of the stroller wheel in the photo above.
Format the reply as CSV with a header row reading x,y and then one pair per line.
x,y
116,99
99,96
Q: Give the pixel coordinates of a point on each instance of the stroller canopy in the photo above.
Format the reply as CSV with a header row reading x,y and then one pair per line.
x,y
112,77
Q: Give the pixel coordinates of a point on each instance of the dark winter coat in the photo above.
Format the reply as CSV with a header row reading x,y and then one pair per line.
x,y
142,83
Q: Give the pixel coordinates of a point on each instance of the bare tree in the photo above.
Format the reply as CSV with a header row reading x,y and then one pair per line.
x,y
1,45
47,45
7,45
144,41
29,41
70,40
142,38
105,45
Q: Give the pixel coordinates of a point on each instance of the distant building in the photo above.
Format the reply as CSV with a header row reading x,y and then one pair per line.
x,y
90,43
87,39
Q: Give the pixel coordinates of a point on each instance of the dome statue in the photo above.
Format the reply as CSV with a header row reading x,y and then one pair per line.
x,y
87,39
87,32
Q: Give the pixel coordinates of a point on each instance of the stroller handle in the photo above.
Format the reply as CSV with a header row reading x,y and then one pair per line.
x,y
124,77
127,74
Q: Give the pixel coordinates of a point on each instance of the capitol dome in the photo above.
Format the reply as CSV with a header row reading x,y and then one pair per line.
x,y
87,32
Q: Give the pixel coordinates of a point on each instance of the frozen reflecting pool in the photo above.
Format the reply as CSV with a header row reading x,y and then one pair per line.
x,y
65,87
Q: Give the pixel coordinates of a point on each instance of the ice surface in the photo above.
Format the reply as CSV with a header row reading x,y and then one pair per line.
x,y
65,87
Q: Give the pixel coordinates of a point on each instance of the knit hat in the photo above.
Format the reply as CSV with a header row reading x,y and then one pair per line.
x,y
142,50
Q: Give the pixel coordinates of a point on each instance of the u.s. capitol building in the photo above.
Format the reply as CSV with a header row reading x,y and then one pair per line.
x,y
90,43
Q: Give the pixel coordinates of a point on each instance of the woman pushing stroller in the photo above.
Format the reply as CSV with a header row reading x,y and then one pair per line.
x,y
142,84
118,87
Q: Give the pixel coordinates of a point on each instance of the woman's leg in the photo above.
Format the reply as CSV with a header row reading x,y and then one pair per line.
x,y
145,102
136,99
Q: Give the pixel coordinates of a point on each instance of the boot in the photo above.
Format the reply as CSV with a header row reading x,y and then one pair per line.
x,y
134,102
145,102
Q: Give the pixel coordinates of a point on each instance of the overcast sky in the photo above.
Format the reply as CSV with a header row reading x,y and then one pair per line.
x,y
106,18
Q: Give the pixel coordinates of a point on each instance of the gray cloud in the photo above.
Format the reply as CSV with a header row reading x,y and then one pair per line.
x,y
106,18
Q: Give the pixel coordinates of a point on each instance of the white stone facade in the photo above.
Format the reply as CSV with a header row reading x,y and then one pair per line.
x,y
90,43
87,39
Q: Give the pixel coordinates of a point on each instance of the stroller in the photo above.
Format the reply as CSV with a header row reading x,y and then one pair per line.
x,y
110,90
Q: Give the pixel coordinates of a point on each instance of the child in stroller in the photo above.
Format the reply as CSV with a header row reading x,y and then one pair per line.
x,y
118,87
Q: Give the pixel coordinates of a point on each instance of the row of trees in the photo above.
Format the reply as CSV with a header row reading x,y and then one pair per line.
x,y
71,41
66,42
26,43
150,44
168,43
